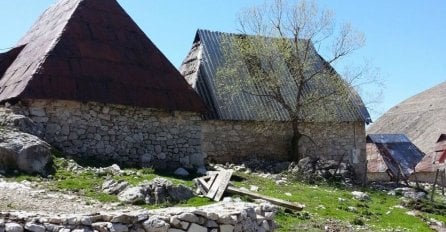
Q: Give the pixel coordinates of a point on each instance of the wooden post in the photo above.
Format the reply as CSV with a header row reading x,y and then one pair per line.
x,y
443,179
435,183
416,180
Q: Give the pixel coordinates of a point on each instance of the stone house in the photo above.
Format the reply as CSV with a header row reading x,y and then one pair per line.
x,y
94,85
231,129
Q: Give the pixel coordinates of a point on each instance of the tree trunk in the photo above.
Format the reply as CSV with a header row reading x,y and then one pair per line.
x,y
295,155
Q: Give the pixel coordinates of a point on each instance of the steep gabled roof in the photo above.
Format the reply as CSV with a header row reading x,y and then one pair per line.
x,y
200,68
90,50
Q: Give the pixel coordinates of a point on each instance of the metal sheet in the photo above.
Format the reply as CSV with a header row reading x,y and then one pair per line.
x,y
242,106
398,152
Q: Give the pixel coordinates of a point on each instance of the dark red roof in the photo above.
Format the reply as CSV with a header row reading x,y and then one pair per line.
x,y
90,50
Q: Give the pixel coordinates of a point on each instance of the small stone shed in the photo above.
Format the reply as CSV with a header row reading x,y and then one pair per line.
x,y
230,132
420,118
96,86
391,157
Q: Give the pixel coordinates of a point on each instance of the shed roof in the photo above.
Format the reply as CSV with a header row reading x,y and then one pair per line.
x,y
398,152
89,50
200,68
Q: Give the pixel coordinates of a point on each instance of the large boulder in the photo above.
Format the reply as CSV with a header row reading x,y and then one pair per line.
x,y
24,152
18,121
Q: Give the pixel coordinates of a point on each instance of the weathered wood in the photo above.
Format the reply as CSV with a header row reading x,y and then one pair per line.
x,y
435,183
219,185
205,183
275,201
443,180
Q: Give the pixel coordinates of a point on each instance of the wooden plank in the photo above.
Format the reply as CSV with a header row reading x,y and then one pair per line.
x,y
275,201
224,182
219,186
210,181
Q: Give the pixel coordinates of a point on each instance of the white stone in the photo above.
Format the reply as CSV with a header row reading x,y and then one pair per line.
x,y
132,195
23,151
101,226
86,221
124,219
197,228
362,196
226,228
34,227
254,188
13,227
175,230
188,217
118,227
265,225
155,225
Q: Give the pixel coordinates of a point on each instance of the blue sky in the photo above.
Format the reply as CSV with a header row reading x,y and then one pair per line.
x,y
406,39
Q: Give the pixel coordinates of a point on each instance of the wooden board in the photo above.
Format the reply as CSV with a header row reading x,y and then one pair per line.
x,y
219,186
225,178
274,201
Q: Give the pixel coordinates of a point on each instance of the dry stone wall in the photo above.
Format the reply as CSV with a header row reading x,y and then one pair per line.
x,y
221,217
124,134
235,141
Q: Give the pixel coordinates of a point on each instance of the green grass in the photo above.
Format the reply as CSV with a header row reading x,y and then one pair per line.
x,y
325,202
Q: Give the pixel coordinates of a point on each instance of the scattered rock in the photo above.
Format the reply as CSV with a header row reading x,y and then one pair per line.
x,y
254,188
132,195
114,187
407,192
181,172
179,193
362,196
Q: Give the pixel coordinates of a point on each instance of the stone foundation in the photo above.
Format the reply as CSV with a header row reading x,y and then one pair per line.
x,y
223,217
235,141
124,134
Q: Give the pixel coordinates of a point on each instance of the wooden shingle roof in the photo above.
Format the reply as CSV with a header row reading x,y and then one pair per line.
x,y
90,50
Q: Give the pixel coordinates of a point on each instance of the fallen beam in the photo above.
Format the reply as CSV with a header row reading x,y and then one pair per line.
x,y
274,201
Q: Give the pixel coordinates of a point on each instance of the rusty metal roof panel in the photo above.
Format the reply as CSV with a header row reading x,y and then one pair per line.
x,y
398,152
243,106
89,50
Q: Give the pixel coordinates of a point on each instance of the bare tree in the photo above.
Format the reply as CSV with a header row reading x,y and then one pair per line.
x,y
278,50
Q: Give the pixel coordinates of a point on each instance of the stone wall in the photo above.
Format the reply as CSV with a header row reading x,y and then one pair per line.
x,y
124,134
234,141
221,217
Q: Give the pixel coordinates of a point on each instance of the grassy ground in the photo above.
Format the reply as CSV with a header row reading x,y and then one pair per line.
x,y
325,204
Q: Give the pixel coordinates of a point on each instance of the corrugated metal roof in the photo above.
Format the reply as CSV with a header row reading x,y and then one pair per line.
x,y
200,68
89,50
398,152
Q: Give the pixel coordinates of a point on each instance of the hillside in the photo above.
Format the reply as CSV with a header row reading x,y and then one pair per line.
x,y
420,117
